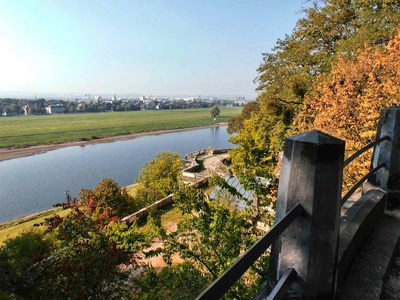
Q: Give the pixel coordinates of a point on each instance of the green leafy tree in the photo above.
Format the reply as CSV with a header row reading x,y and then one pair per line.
x,y
17,258
162,173
215,111
210,237
254,158
236,124
177,282
146,196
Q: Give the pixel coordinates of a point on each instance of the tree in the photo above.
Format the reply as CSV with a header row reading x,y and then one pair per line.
x,y
254,158
236,124
109,197
162,173
86,262
182,281
210,237
80,256
17,257
287,74
146,196
214,111
347,102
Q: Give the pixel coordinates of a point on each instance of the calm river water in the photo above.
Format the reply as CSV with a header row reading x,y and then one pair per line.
x,y
33,184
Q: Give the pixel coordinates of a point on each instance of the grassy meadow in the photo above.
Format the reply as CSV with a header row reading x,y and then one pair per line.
x,y
12,229
25,131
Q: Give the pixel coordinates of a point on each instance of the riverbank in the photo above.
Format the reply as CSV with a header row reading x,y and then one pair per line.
x,y
6,154
11,229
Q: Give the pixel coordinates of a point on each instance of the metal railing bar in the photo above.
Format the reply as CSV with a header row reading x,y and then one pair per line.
x,y
358,184
362,150
223,283
283,285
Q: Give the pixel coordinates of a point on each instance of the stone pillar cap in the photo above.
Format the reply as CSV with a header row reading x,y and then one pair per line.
x,y
315,137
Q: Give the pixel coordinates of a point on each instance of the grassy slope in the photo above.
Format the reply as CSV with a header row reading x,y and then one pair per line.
x,y
36,130
14,228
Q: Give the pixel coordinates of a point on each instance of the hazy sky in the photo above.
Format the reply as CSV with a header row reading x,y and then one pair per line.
x,y
150,47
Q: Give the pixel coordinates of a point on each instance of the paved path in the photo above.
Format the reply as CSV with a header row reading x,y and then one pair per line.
x,y
212,165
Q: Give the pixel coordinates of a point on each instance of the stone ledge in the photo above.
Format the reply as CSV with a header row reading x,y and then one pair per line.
x,y
356,225
366,275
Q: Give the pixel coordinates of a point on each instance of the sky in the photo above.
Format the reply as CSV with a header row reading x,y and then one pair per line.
x,y
148,47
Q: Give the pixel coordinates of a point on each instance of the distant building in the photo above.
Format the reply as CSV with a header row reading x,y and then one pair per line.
x,y
54,109
9,114
27,109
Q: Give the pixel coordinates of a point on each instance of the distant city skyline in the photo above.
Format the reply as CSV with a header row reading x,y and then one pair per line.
x,y
160,47
92,96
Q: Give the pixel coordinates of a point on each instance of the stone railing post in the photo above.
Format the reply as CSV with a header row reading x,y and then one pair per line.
x,y
388,152
311,175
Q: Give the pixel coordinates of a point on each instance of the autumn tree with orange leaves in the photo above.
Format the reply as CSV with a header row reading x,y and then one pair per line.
x,y
288,74
347,102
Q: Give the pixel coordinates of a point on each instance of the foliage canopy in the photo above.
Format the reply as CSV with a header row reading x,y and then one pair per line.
x,y
348,101
162,173
211,236
215,111
331,31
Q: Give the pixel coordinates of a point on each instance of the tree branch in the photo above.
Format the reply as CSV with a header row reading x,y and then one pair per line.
x,y
288,102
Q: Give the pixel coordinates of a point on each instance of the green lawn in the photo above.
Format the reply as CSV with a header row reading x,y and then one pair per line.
x,y
14,228
25,131
169,212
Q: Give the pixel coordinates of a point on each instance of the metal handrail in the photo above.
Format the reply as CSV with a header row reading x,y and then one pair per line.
x,y
223,283
353,157
283,285
362,150
360,182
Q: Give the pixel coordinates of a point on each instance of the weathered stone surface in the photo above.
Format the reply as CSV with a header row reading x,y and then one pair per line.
x,y
311,175
356,225
365,277
388,178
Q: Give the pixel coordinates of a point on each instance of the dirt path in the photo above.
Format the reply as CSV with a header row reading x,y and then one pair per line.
x,y
157,262
213,165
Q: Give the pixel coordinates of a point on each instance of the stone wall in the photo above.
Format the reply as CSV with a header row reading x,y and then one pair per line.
x,y
145,211
219,151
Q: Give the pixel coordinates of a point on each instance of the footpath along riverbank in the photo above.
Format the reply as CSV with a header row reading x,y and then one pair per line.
x,y
11,153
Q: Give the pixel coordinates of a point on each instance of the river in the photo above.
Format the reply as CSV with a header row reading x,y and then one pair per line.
x,y
34,183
